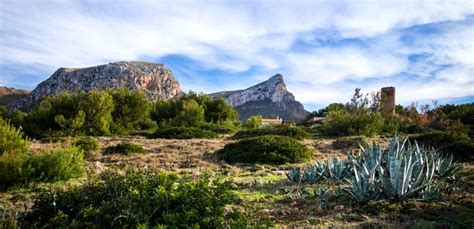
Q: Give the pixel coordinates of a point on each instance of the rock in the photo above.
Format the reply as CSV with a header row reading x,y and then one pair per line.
x,y
269,99
154,80
9,95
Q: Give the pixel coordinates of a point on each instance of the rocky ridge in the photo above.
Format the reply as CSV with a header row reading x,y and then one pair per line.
x,y
269,99
154,80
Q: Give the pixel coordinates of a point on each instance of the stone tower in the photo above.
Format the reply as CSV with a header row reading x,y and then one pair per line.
x,y
387,102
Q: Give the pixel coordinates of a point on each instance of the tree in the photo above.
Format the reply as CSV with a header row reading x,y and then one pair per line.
x,y
130,108
254,122
190,115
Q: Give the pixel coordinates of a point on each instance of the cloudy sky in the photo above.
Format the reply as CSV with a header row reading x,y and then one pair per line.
x,y
324,49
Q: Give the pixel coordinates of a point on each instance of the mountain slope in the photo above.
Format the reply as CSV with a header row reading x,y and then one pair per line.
x,y
154,80
269,99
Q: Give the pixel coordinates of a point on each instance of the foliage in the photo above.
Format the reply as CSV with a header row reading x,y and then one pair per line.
x,y
124,148
458,144
269,149
137,199
71,113
349,142
194,110
11,139
253,122
55,165
289,131
400,172
13,152
130,109
87,144
183,133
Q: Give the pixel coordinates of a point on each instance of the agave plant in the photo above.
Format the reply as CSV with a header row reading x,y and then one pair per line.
x,y
294,175
402,171
336,169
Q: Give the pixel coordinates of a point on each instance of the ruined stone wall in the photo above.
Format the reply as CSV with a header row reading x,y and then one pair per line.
x,y
388,100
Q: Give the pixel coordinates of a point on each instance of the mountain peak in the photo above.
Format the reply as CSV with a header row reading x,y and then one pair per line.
x,y
269,99
277,77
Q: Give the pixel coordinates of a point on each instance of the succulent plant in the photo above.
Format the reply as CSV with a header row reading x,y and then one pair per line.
x,y
401,171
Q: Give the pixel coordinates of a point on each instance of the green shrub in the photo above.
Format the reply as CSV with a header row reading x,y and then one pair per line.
x,y
349,142
341,122
11,139
253,122
87,144
288,131
460,145
269,149
13,152
124,148
55,165
137,198
183,133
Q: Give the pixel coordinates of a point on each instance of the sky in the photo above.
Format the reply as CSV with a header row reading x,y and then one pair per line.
x,y
324,49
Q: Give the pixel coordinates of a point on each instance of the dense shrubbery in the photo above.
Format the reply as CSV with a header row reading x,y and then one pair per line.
x,y
183,133
17,167
124,148
55,165
134,199
267,149
289,131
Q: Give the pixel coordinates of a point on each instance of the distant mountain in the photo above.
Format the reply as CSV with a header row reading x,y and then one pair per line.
x,y
10,95
269,99
154,80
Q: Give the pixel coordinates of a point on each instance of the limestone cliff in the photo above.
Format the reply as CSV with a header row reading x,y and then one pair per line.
x,y
154,80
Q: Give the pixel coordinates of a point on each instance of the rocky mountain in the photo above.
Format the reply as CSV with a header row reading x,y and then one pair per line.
x,y
269,99
9,95
154,80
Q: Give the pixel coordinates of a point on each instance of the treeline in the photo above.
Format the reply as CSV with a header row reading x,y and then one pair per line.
x,y
120,111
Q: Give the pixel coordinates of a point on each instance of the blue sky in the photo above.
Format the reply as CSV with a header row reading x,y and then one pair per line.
x,y
324,49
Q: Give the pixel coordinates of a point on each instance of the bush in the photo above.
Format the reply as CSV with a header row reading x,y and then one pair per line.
x,y
460,145
349,142
253,122
87,144
11,139
183,133
55,165
13,152
137,198
269,149
288,131
124,148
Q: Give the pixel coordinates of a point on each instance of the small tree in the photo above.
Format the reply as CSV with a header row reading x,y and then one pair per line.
x,y
254,122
